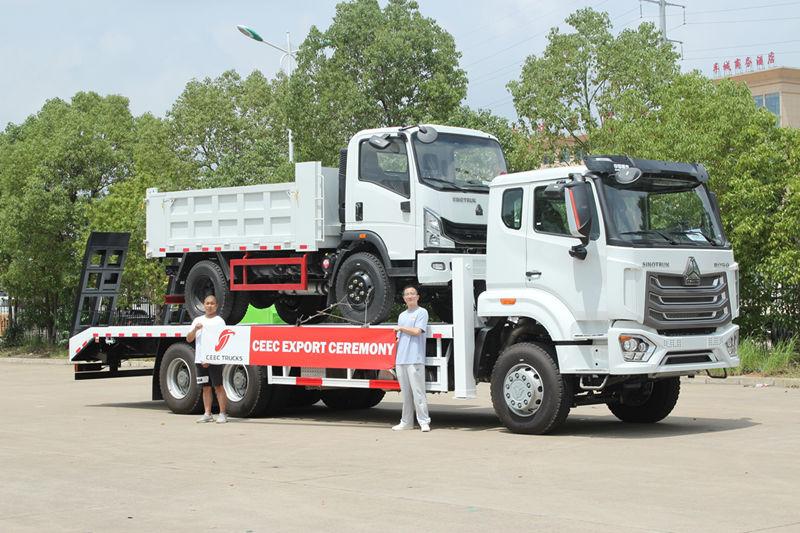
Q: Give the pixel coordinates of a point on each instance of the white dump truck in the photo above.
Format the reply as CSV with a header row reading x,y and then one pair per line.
x,y
605,283
402,200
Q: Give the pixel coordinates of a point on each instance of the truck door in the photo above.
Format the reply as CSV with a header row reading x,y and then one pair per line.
x,y
379,199
550,267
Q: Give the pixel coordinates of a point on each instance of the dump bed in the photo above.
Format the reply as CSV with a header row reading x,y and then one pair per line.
x,y
299,215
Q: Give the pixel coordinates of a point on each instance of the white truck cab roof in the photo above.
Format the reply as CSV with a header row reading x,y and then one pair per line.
x,y
533,176
437,127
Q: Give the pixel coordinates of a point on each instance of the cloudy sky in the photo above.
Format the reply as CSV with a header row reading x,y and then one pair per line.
x,y
148,49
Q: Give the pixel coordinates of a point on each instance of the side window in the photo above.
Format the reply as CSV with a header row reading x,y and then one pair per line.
x,y
387,168
549,212
511,210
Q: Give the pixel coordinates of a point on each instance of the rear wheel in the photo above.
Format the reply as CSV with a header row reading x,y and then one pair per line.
x,y
529,394
352,398
246,389
653,402
302,397
262,299
300,309
178,380
364,290
205,278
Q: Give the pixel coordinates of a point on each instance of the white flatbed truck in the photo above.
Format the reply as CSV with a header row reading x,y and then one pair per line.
x,y
605,282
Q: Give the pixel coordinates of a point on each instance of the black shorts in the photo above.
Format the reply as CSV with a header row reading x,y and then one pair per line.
x,y
209,376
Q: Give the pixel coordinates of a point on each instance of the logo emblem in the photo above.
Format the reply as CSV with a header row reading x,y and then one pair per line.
x,y
223,339
691,276
479,210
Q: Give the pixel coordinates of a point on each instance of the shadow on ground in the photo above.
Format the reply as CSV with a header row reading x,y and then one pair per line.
x,y
473,418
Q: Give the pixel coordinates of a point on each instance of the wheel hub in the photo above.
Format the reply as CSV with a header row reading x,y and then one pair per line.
x,y
523,390
178,378
359,287
234,381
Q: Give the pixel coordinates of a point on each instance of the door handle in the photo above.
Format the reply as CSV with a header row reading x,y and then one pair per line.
x,y
405,207
359,211
533,274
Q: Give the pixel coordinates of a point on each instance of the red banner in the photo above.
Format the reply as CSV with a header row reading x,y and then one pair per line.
x,y
321,347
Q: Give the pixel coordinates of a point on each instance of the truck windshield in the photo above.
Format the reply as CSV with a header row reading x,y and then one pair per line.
x,y
459,162
658,211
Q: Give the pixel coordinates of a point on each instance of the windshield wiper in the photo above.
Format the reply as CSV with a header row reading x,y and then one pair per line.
x,y
651,232
446,182
699,231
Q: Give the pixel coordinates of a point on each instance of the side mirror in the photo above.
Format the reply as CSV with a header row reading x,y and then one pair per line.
x,y
578,197
379,142
427,134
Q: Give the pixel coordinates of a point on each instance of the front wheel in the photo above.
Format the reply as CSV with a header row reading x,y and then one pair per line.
x,y
529,394
653,402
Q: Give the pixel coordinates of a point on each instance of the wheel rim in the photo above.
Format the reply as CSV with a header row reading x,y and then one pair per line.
x,y
179,379
199,291
234,381
359,288
523,390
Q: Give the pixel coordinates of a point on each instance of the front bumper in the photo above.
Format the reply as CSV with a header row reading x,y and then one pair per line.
x,y
672,355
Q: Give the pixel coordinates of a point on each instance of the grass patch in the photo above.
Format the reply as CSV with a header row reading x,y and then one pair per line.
x,y
35,351
758,357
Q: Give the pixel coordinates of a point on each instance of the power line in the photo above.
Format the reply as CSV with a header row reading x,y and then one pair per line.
x,y
742,46
741,21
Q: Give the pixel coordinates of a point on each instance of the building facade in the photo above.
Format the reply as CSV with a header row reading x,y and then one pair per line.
x,y
777,90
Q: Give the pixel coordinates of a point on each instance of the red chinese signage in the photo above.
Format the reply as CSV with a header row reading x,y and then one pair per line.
x,y
737,66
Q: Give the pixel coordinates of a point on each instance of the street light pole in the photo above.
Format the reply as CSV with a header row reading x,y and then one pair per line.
x,y
288,54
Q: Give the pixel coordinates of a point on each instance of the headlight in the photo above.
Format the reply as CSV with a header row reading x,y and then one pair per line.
x,y
433,232
732,344
635,348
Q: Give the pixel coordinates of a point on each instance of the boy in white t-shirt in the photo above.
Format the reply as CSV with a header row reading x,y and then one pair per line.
x,y
208,375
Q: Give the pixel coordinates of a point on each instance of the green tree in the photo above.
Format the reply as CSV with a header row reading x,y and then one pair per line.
x,y
52,167
575,85
226,129
754,171
372,67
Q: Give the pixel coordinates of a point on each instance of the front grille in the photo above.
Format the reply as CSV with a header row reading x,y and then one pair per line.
x,y
687,358
465,234
673,305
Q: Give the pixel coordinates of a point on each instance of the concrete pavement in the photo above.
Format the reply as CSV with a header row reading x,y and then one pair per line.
x,y
99,456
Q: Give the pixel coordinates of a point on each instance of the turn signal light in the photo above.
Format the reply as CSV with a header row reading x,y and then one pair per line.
x,y
508,301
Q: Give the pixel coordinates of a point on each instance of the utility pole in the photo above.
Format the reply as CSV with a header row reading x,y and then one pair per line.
x,y
662,16
288,55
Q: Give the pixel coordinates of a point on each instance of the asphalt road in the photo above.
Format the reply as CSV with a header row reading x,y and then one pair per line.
x,y
99,456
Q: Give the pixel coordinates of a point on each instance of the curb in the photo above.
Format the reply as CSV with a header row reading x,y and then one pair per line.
x,y
746,381
66,362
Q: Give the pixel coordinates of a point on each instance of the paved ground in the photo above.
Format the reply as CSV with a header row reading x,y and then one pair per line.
x,y
98,456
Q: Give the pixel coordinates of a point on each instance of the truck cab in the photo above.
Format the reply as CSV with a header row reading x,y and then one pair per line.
x,y
619,268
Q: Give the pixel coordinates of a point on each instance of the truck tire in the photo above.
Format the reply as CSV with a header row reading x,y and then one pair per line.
x,y
442,305
302,397
246,389
207,277
648,407
363,289
529,394
294,309
178,380
352,398
262,299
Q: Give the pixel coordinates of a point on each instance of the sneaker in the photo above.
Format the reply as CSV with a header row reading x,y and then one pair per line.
x,y
205,418
425,428
222,418
401,427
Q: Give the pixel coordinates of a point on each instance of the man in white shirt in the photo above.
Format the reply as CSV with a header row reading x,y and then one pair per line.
x,y
208,375
410,362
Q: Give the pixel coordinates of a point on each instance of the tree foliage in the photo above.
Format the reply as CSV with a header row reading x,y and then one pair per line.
x,y
578,81
52,168
372,67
